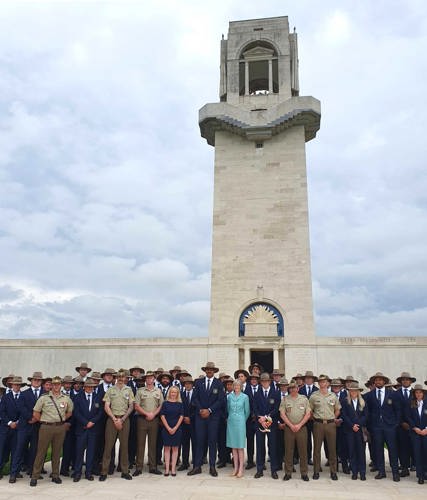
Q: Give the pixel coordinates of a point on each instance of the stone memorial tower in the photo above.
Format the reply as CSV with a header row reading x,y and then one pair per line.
x,y
261,295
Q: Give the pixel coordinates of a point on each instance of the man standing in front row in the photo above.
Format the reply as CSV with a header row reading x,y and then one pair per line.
x,y
52,410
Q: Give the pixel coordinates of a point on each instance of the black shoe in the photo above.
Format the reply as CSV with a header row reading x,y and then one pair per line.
x,y
221,465
90,477
76,479
111,471
119,469
373,469
194,471
413,468
274,475
12,479
155,471
213,472
310,461
19,476
159,462
57,480
362,476
316,475
354,477
126,476
345,469
334,476
249,465
43,471
137,473
33,482
286,477
65,473
258,474
420,480
380,475
404,473
327,463
102,477
396,478
204,461
183,467
305,478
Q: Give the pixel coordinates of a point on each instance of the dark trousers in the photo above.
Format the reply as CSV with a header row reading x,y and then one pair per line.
x,y
250,439
342,447
280,448
223,451
68,450
99,449
404,447
385,435
54,435
356,451
272,449
309,426
85,440
188,439
132,439
8,439
26,447
206,434
419,445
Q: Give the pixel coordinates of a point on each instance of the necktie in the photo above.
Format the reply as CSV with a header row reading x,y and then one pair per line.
x,y
108,386
88,400
406,394
16,397
164,393
265,394
36,393
189,396
379,396
309,391
208,385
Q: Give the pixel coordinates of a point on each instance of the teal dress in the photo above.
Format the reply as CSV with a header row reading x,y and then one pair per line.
x,y
238,412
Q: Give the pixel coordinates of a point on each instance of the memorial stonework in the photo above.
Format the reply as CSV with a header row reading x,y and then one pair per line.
x,y
261,296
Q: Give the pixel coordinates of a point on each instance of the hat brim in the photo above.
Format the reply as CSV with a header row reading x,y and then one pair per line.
x,y
168,375
412,379
214,368
245,373
386,379
316,379
84,368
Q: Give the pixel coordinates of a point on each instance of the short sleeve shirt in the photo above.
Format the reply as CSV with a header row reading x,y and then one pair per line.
x,y
295,408
47,408
149,399
324,406
119,399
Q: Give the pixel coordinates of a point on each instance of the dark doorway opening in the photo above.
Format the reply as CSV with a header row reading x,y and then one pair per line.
x,y
264,358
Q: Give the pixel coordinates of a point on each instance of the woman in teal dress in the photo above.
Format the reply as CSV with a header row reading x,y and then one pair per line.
x,y
238,412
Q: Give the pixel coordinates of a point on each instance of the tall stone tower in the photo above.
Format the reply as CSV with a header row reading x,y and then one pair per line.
x,y
261,296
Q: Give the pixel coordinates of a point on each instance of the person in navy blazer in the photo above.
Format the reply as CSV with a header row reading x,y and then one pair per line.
x,y
28,429
86,416
307,390
9,416
208,400
188,424
266,404
416,416
354,414
251,423
384,417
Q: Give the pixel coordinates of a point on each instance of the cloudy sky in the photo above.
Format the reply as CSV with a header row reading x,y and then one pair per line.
x,y
106,185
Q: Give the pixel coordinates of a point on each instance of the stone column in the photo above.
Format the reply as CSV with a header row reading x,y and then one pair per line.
x,y
275,357
247,358
246,78
270,76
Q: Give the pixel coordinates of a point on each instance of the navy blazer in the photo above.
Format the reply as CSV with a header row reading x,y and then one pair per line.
x,y
387,414
267,406
303,391
26,404
81,413
9,408
400,398
350,416
213,399
189,409
413,417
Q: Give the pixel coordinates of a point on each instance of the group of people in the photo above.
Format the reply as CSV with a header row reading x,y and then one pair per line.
x,y
213,419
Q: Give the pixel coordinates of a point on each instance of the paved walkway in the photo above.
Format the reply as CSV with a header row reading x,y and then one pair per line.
x,y
224,487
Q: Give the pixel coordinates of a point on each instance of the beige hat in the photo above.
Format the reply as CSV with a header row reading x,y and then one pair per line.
x,y
85,366
164,374
324,377
336,382
159,370
283,381
36,376
210,365
241,370
57,380
122,373
90,382
276,371
95,376
298,375
311,375
406,375
136,367
108,371
78,380
176,368
4,379
188,379
292,384
419,387
354,386
379,375
254,375
183,371
17,381
349,378
67,379
264,377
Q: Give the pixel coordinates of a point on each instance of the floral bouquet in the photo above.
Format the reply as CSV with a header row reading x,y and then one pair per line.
x,y
267,422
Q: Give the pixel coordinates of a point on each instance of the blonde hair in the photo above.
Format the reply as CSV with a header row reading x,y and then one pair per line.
x,y
174,388
360,400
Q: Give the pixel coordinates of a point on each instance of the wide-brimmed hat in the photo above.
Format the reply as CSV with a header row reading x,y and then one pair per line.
x,y
253,375
292,384
309,373
78,380
228,380
47,379
419,387
241,370
379,375
176,368
96,376
348,378
298,375
354,386
108,371
189,378
17,381
84,366
136,367
150,373
264,377
223,375
336,382
283,381
322,376
405,375
68,379
252,366
183,371
122,373
276,371
90,382
4,379
159,370
36,376
56,379
210,365
164,374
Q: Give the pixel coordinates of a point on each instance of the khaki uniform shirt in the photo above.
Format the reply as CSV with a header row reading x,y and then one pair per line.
x,y
324,406
119,399
295,408
149,400
47,408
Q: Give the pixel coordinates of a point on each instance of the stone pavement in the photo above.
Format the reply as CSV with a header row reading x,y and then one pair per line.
x,y
205,487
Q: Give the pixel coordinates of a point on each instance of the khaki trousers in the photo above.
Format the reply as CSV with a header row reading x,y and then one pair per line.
x,y
111,434
146,428
320,432
48,434
300,438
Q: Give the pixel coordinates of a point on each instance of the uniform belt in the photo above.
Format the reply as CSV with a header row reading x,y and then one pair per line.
x,y
119,416
51,423
323,421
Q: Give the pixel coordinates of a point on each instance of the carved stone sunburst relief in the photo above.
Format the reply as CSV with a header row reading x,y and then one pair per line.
x,y
260,314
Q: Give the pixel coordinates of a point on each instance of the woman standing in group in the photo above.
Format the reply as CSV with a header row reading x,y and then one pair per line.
x,y
172,415
238,412
416,414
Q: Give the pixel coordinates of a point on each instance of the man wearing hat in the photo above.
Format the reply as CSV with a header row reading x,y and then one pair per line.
x,y
83,370
164,380
9,419
383,418
295,412
276,375
404,446
136,372
282,387
243,376
28,429
342,449
119,404
88,412
251,423
307,390
174,372
69,445
266,409
208,400
67,385
52,410
255,368
188,425
325,408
